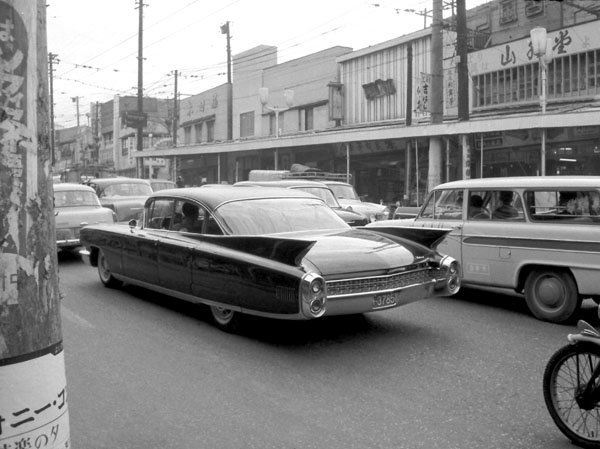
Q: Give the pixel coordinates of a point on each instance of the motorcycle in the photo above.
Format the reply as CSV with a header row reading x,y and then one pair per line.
x,y
572,387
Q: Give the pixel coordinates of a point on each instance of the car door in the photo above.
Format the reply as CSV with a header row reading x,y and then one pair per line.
x,y
488,239
444,209
140,250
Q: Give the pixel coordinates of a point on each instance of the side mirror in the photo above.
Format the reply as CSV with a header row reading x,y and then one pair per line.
x,y
132,224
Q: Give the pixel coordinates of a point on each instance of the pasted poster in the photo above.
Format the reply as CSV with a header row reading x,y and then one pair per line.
x,y
33,398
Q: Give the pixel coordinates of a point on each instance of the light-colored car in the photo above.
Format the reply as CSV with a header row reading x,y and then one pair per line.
x,y
349,199
125,196
537,235
75,206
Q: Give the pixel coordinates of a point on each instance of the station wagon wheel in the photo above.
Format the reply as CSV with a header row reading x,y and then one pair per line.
x,y
552,295
226,319
104,272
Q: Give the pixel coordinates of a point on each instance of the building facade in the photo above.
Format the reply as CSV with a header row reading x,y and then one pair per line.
x,y
377,126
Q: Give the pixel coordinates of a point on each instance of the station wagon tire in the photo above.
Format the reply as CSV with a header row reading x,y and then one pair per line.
x,y
552,295
226,319
104,272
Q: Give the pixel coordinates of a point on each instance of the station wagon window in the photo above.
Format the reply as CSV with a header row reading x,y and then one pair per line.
x,y
506,205
444,205
479,205
564,206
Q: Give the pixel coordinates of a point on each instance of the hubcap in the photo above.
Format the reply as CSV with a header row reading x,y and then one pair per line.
x,y
550,292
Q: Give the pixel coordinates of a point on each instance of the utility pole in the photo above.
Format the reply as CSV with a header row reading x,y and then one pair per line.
x,y
225,29
463,84
77,137
51,59
33,395
175,111
140,89
437,97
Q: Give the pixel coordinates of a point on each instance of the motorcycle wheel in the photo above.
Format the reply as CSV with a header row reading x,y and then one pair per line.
x,y
567,373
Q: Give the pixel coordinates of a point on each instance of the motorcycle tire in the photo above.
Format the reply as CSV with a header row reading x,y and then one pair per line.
x,y
567,373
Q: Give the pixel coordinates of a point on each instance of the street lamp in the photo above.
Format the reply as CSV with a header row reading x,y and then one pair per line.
x,y
542,48
288,95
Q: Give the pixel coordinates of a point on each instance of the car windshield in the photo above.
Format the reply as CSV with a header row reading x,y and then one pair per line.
x,y
345,192
126,189
323,193
75,198
277,215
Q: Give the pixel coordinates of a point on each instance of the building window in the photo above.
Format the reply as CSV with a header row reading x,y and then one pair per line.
x,y
210,131
247,124
127,144
272,125
575,75
107,138
508,11
198,132
306,119
533,7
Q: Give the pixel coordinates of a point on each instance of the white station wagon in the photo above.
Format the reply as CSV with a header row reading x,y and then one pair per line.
x,y
536,235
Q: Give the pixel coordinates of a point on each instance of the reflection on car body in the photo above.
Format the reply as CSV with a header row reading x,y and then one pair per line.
x,y
536,235
274,252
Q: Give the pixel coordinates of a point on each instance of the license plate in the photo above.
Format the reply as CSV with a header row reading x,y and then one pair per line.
x,y
385,300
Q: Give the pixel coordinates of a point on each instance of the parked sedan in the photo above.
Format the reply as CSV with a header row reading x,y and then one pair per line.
x,y
272,252
75,206
126,196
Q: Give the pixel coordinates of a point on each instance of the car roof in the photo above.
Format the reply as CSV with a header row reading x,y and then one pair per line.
x,y
286,183
215,194
524,181
117,180
327,182
70,186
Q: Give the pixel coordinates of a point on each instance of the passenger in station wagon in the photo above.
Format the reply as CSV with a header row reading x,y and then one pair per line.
x,y
476,209
506,209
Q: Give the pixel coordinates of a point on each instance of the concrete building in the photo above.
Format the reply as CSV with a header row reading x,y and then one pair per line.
x,y
377,129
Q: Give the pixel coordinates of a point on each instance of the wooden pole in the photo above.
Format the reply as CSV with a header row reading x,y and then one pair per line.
x,y
33,397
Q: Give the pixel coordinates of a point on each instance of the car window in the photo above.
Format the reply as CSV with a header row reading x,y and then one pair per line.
x,y
323,193
344,191
564,206
126,189
75,198
479,205
272,216
444,205
506,205
159,214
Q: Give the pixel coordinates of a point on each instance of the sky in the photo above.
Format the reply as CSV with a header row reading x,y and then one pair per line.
x,y
96,42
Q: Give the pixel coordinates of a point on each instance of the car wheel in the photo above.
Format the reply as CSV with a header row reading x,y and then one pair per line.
x,y
104,272
552,295
226,319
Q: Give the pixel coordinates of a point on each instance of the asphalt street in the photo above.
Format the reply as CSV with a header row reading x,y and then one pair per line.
x,y
148,371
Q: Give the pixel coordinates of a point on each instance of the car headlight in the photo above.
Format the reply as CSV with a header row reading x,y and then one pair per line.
x,y
313,295
452,274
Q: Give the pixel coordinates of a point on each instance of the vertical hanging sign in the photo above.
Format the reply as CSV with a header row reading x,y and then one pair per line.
x,y
423,93
33,398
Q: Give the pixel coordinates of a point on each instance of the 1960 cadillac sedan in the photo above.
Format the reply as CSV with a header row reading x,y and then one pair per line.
x,y
273,252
